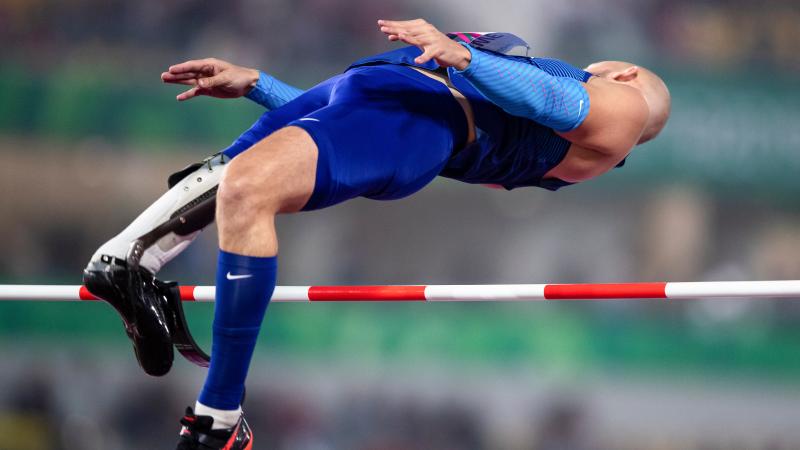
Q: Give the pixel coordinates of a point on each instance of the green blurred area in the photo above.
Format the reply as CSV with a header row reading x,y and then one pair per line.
x,y
74,103
562,337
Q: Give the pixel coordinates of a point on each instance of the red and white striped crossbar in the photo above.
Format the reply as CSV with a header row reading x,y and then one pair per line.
x,y
457,293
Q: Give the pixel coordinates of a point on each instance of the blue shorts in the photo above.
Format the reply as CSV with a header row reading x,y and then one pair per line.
x,y
383,132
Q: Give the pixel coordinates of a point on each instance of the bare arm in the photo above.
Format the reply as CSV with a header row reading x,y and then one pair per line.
x,y
616,120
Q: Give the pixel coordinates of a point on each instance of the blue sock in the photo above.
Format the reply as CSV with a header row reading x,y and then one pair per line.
x,y
244,288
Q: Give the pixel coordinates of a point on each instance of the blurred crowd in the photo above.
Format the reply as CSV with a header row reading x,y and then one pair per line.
x,y
328,33
85,405
311,33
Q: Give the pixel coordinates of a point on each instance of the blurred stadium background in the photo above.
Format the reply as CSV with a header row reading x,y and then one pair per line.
x,y
88,135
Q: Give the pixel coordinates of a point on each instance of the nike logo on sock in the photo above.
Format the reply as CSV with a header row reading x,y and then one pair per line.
x,y
238,277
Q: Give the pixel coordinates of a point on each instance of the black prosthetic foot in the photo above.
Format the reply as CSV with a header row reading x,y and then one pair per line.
x,y
142,302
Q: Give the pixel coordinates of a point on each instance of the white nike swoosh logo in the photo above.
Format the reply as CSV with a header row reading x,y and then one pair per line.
x,y
238,277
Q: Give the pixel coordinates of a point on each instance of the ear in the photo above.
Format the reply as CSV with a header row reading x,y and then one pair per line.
x,y
628,74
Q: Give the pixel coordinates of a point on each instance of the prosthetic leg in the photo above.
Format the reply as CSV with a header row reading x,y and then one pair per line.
x,y
122,271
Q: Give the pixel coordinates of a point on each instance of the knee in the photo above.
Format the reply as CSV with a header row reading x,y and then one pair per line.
x,y
244,189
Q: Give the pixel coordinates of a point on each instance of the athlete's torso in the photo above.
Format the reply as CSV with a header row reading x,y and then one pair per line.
x,y
508,150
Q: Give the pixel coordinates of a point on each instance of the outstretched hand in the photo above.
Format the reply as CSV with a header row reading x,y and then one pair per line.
x,y
212,77
434,44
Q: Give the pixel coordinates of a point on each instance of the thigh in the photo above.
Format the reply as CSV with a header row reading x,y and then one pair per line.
x,y
276,172
386,133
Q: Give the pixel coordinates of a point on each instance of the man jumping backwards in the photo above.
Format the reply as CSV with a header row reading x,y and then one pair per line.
x,y
452,105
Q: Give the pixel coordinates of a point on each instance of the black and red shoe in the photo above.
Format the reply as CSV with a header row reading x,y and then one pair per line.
x,y
197,434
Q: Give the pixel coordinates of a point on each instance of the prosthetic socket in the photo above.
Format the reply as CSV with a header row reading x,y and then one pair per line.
x,y
170,224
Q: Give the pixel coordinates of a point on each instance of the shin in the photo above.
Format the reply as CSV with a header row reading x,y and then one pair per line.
x,y
276,175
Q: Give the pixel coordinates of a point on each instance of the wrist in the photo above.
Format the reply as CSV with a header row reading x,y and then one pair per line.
x,y
261,89
253,76
464,58
467,58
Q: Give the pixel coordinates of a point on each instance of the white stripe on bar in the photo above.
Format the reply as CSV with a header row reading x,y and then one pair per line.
x,y
478,293
204,293
291,293
775,288
54,293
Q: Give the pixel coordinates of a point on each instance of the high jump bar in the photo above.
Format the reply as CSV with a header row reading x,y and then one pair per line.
x,y
455,293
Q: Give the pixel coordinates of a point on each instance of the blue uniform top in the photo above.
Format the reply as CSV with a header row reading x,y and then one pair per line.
x,y
509,150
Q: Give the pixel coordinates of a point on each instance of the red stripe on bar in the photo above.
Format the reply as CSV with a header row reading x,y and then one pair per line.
x,y
84,294
366,293
187,293
604,291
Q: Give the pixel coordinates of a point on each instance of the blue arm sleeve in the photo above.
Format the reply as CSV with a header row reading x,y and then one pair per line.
x,y
272,93
522,89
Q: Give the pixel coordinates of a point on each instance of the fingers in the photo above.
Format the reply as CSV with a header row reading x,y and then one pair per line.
x,y
215,81
411,39
204,76
394,27
401,23
181,78
416,32
205,66
167,76
408,38
192,82
434,44
200,86
186,95
427,55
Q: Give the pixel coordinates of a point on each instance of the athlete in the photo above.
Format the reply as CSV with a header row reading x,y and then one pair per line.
x,y
460,106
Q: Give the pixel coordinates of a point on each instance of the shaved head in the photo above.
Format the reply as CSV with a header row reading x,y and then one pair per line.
x,y
651,86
